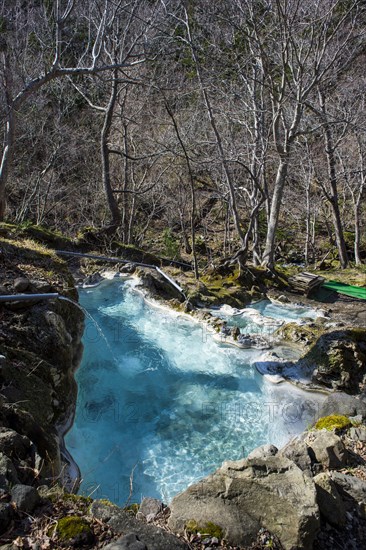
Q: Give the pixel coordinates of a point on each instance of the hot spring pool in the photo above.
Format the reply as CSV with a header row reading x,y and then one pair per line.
x,y
161,404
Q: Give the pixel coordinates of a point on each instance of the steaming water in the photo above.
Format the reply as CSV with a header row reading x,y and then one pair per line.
x,y
169,404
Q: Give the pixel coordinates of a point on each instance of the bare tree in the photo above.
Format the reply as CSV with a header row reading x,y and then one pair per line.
x,y
299,45
59,30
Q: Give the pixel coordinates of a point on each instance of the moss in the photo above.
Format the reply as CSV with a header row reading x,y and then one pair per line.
x,y
77,498
333,422
106,502
209,529
353,275
133,508
72,527
46,236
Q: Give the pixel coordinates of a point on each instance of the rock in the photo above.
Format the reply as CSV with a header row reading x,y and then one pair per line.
x,y
149,508
40,286
358,434
243,496
329,501
2,360
352,491
263,451
21,284
340,360
122,521
128,542
6,513
93,280
328,449
283,299
225,330
3,290
356,420
235,332
157,286
127,268
253,341
25,497
13,444
344,404
8,474
297,451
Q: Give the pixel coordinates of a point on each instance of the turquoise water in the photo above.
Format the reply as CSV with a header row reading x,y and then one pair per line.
x,y
161,404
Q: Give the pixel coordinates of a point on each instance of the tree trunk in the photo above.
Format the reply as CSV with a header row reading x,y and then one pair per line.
x,y
256,244
357,234
6,160
307,224
9,136
269,251
333,195
125,201
104,149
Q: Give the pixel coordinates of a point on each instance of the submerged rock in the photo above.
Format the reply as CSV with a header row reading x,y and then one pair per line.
x,y
243,496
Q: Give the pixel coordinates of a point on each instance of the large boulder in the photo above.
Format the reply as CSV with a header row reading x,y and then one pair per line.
x,y
329,501
352,491
328,449
243,496
339,359
297,451
344,404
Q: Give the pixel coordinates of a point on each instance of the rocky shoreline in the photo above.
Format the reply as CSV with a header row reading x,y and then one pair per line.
x,y
239,505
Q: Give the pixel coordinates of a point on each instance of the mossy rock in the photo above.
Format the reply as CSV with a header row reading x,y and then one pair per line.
x,y
106,502
77,499
206,529
48,237
333,422
132,508
53,493
303,334
73,529
340,359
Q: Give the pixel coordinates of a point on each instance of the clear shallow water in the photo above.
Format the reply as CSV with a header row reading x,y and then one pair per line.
x,y
165,401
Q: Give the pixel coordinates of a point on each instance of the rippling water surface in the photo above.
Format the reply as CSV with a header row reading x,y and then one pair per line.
x,y
161,404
